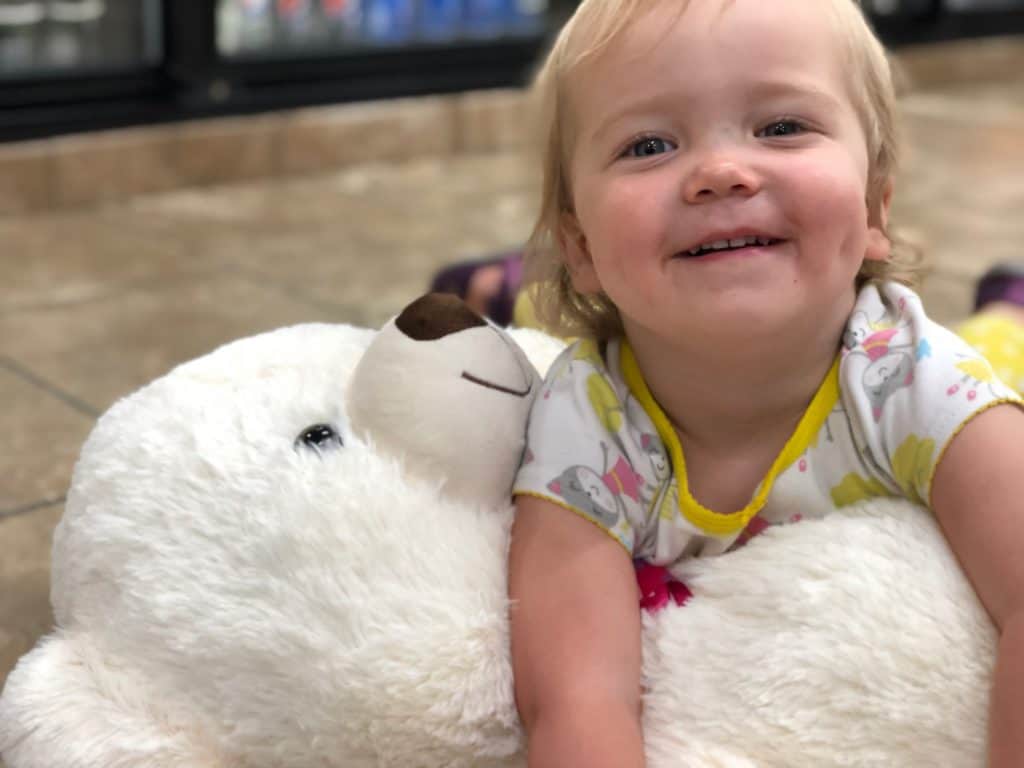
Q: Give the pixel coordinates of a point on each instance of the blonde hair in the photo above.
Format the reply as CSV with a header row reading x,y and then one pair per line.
x,y
594,26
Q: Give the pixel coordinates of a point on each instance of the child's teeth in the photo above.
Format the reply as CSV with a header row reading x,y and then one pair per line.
x,y
736,242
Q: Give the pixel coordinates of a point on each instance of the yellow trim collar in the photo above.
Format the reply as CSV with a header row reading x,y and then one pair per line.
x,y
725,524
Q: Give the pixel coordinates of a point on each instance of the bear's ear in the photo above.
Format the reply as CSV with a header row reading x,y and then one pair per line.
x,y
435,316
448,394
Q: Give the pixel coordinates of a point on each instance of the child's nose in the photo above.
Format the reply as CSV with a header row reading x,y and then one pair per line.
x,y
717,176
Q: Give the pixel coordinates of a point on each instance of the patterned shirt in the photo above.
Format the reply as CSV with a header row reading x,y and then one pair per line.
x,y
900,389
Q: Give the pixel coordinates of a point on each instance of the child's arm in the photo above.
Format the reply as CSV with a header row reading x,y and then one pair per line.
x,y
575,640
978,498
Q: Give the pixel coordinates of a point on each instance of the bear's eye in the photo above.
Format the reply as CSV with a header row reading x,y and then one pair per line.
x,y
319,437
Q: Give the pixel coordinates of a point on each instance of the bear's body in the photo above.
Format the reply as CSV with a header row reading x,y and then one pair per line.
x,y
252,571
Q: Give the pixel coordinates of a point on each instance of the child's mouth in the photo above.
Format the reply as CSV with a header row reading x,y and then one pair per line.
x,y
728,246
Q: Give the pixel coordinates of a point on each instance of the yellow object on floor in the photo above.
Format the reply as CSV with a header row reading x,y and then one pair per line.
x,y
1000,338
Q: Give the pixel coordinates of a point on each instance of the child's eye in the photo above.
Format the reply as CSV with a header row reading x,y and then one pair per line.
x,y
648,146
782,128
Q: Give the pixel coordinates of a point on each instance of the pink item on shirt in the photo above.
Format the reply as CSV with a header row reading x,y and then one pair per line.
x,y
621,479
657,586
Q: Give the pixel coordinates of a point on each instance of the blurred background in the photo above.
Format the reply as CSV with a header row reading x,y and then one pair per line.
x,y
175,174
71,65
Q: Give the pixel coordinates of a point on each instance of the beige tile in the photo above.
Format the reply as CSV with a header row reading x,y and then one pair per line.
x,y
371,237
25,177
43,432
113,165
974,104
323,138
229,150
961,61
100,350
492,121
86,255
25,612
948,299
962,191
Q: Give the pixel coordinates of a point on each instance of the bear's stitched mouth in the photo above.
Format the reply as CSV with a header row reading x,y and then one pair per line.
x,y
491,385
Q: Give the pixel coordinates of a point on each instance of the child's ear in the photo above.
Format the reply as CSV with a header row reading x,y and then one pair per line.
x,y
576,253
879,245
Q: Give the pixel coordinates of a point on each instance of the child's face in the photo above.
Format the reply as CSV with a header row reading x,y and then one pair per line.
x,y
729,121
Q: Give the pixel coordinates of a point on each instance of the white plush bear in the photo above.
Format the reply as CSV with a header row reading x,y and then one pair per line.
x,y
291,553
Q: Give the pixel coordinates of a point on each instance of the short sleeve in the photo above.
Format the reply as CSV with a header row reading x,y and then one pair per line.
x,y
909,386
575,456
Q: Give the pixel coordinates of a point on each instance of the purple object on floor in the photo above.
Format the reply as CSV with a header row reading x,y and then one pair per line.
x,y
455,279
1004,282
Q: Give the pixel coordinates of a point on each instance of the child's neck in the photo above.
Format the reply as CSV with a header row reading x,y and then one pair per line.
x,y
723,400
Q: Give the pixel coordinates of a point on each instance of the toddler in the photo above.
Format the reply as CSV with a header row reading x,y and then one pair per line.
x,y
714,227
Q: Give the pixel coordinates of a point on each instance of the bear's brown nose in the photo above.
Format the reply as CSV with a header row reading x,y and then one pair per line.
x,y
435,316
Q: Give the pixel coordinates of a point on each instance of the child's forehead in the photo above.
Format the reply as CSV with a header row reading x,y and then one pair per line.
x,y
657,23
698,43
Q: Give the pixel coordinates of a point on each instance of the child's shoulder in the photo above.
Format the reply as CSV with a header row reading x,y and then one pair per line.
x,y
888,314
908,385
884,300
889,336
585,356
587,371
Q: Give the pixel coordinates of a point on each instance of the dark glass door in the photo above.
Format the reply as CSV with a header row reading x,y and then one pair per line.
x,y
48,38
289,28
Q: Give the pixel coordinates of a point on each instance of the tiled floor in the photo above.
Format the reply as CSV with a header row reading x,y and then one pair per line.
x,y
95,303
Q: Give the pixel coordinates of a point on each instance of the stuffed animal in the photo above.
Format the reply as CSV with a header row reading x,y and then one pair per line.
x,y
291,552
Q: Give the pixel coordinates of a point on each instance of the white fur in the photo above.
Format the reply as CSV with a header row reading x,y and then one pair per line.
x,y
225,598
848,641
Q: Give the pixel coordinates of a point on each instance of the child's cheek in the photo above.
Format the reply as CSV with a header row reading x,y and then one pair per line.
x,y
830,195
631,216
